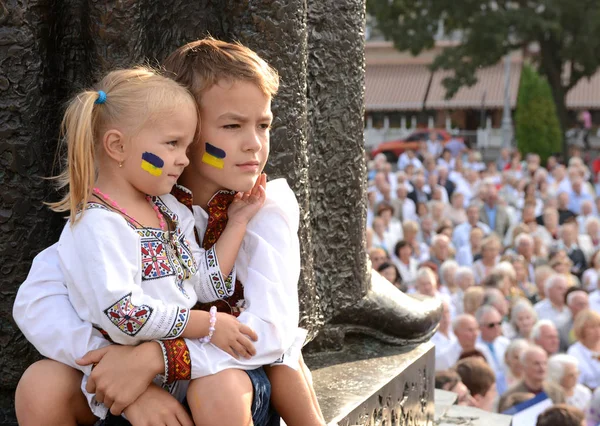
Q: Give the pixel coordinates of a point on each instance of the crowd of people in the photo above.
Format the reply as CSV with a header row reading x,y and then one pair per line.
x,y
511,248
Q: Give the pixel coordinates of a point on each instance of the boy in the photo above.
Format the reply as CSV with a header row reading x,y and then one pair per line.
x,y
233,88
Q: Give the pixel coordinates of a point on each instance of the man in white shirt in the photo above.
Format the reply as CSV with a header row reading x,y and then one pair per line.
x,y
466,331
493,344
409,157
444,336
545,334
460,236
553,307
404,207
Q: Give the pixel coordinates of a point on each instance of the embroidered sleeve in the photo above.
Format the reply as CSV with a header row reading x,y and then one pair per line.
x,y
100,257
178,364
207,279
211,283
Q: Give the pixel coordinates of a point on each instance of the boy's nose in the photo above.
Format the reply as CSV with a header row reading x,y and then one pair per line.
x,y
253,142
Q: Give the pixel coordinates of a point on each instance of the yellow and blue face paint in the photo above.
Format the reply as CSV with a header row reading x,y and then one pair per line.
x,y
214,156
152,163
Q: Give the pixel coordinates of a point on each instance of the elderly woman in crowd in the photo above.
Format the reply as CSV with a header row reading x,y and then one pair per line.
x,y
522,319
420,250
390,273
528,289
407,265
512,359
473,299
563,370
592,230
463,279
587,348
490,255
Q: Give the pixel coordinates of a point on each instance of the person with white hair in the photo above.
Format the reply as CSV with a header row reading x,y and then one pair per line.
x,y
466,330
512,360
545,335
587,211
426,285
553,306
563,370
535,367
463,279
446,273
439,251
492,342
522,319
577,300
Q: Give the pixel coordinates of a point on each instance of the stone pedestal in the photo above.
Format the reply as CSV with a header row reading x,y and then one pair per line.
x,y
370,383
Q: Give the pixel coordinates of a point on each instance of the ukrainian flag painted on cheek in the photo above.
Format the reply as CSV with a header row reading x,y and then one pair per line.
x,y
152,163
213,156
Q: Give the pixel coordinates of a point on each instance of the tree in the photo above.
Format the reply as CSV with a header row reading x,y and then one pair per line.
x,y
567,33
537,128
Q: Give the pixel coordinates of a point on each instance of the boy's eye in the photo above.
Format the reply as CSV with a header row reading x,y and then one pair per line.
x,y
231,126
172,143
265,126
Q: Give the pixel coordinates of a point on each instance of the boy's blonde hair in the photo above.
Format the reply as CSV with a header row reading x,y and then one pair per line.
x,y
201,64
134,97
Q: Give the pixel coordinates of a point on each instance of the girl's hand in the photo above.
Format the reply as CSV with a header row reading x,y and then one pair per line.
x,y
246,205
233,337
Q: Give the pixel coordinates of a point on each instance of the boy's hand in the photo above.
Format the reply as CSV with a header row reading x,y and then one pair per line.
x,y
156,407
233,337
122,373
246,205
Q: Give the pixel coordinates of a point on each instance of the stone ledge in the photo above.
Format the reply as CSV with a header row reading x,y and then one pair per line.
x,y
372,383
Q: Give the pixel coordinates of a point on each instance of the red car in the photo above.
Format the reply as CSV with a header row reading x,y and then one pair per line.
x,y
393,149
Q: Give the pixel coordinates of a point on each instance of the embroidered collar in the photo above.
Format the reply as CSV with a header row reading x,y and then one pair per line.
x,y
222,199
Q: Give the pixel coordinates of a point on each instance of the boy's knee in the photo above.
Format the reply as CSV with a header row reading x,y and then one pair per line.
x,y
223,398
49,391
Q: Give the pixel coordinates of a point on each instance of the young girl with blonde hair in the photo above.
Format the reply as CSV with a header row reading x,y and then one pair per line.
x,y
131,264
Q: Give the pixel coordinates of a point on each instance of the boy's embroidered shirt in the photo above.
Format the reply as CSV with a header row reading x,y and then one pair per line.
x,y
137,284
268,265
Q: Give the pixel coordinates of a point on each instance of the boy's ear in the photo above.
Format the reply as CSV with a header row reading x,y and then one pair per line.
x,y
113,143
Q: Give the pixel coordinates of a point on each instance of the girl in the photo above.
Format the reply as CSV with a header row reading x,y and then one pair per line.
x,y
128,253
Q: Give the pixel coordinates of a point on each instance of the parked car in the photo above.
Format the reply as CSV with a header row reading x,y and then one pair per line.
x,y
393,149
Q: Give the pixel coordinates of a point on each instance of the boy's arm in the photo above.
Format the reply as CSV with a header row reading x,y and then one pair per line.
x,y
45,316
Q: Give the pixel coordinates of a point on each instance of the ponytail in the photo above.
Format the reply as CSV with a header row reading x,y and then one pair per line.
x,y
77,132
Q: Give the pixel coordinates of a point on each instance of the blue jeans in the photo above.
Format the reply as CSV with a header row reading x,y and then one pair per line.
x,y
263,413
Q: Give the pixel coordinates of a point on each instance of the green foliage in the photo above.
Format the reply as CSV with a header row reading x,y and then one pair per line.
x,y
567,33
537,128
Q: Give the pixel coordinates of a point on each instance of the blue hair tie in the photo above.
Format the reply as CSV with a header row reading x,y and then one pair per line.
x,y
101,97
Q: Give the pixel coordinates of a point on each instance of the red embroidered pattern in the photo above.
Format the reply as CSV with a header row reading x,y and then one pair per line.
x,y
178,358
217,220
127,317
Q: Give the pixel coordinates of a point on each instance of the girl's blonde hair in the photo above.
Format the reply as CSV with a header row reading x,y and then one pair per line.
x,y
134,97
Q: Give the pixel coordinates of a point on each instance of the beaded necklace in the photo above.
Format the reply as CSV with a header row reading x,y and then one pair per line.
x,y
167,236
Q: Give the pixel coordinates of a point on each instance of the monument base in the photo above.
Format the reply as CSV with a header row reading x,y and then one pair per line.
x,y
369,383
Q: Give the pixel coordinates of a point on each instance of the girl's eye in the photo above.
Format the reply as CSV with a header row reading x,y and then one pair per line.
x,y
172,143
231,126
